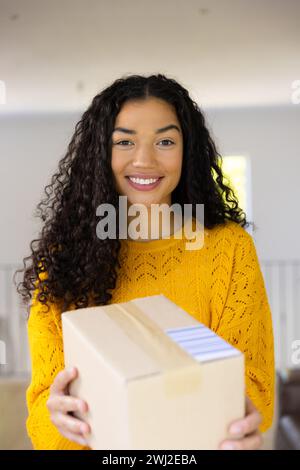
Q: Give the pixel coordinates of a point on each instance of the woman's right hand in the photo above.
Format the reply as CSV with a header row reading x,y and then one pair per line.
x,y
60,403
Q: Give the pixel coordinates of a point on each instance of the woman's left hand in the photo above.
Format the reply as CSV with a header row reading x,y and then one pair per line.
x,y
245,432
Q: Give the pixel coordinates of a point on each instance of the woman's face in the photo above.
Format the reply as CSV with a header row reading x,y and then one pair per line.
x,y
144,151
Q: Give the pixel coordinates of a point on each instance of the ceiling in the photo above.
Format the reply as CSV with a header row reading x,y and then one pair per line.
x,y
56,55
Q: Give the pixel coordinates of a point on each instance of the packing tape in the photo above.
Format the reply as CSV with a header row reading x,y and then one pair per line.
x,y
181,372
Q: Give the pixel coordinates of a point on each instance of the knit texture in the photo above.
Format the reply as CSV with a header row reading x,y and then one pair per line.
x,y
221,285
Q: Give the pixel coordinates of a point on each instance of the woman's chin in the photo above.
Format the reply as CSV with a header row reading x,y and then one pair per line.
x,y
146,201
146,205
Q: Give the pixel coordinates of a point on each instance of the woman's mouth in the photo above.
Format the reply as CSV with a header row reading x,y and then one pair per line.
x,y
144,184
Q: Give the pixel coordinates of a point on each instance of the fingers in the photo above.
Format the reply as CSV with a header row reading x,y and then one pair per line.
x,y
66,404
245,432
69,423
247,425
60,405
73,437
62,380
252,442
252,422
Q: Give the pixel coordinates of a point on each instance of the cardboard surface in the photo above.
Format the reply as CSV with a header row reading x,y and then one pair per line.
x,y
153,376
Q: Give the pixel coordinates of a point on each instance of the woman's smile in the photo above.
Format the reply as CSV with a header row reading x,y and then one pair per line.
x,y
144,184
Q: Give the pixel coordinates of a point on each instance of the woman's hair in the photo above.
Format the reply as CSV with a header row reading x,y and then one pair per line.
x,y
81,267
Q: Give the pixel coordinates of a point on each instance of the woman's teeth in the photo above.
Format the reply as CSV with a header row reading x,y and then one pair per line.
x,y
143,181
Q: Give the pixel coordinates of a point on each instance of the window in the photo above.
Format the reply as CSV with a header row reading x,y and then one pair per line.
x,y
236,170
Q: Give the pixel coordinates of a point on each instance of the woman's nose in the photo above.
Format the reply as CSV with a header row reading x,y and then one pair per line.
x,y
144,159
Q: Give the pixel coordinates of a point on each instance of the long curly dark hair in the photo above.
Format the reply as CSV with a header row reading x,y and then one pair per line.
x,y
80,267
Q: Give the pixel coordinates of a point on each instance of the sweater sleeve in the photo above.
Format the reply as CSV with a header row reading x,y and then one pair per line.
x,y
241,315
46,351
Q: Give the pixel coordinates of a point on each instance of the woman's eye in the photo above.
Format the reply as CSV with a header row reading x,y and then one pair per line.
x,y
164,140
117,143
167,140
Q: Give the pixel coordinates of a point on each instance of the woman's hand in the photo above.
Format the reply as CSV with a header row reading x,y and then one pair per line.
x,y
245,432
60,404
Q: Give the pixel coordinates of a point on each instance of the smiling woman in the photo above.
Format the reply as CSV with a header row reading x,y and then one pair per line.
x,y
147,171
168,158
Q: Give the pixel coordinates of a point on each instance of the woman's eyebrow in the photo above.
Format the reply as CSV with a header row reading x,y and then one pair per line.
x,y
158,131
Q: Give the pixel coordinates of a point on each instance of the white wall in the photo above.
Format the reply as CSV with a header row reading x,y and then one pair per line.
x,y
270,137
31,146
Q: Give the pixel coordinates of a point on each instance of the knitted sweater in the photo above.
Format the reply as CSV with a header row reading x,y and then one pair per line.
x,y
221,285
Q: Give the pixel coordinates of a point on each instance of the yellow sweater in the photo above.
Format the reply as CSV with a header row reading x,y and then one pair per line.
x,y
221,285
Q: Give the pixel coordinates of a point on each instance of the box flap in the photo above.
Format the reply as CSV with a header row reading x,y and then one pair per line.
x,y
127,339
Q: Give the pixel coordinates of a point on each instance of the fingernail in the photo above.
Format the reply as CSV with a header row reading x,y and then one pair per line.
x,y
83,429
236,429
228,446
84,407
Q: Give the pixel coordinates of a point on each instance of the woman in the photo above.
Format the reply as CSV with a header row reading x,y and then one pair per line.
x,y
142,132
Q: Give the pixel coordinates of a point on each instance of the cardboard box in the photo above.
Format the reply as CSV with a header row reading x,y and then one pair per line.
x,y
153,376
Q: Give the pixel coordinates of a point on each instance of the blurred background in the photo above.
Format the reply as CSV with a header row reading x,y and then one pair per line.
x,y
239,59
